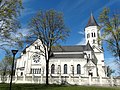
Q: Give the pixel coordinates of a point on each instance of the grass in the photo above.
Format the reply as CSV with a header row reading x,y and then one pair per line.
x,y
53,87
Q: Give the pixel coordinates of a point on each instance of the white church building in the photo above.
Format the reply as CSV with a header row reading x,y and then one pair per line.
x,y
69,63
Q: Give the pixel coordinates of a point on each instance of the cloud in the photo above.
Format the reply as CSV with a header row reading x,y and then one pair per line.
x,y
82,42
81,32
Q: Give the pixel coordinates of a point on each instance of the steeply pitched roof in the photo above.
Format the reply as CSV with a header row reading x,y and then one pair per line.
x,y
68,56
24,50
92,21
88,47
75,48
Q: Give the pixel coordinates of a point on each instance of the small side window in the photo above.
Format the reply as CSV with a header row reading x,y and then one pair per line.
x,y
35,47
88,35
93,41
21,73
89,55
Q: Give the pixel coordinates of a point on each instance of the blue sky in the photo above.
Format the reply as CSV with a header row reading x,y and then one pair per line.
x,y
76,14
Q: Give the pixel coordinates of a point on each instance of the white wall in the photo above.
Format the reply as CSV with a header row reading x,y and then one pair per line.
x,y
89,30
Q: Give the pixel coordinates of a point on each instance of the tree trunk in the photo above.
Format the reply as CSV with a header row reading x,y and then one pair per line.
x,y
47,71
47,66
119,55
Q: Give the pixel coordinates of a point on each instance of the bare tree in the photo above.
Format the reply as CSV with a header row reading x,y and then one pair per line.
x,y
110,24
49,27
9,11
5,66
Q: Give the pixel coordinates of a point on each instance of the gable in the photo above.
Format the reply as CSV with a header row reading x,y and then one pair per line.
x,y
90,64
37,42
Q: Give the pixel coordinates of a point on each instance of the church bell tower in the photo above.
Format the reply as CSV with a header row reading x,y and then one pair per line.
x,y
91,32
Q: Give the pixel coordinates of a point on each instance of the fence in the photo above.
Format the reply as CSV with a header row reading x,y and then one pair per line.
x,y
72,80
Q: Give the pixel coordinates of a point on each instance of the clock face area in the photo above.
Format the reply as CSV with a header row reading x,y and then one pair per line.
x,y
36,58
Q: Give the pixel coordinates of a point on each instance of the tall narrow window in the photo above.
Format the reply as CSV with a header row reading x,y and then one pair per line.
x,y
52,69
40,71
72,69
65,69
31,71
78,69
94,35
35,71
59,69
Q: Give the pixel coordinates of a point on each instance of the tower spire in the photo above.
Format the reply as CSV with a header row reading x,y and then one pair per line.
x,y
91,14
92,21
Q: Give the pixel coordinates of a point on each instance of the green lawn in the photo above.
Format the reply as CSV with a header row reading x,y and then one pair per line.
x,y
53,87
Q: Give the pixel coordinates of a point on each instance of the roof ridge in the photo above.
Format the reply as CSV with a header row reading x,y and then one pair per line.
x,y
70,45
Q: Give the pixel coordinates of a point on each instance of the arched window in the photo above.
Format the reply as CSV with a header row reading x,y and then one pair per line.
x,y
65,69
32,71
78,69
21,73
52,69
59,69
94,35
40,71
35,47
72,69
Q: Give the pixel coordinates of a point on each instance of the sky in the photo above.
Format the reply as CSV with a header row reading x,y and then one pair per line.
x,y
76,14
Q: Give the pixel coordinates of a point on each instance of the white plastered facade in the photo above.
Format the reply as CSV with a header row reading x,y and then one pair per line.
x,y
87,60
